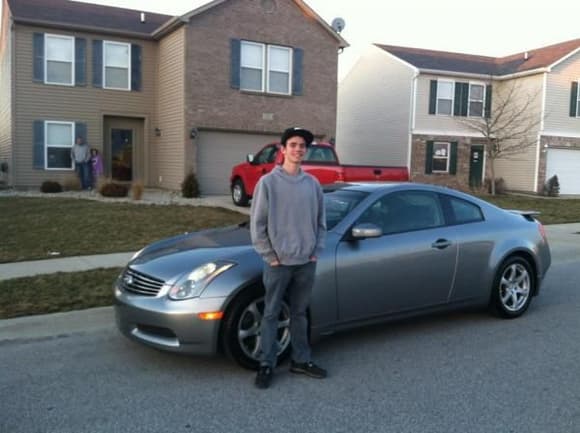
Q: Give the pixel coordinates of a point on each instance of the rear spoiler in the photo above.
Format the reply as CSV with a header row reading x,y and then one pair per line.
x,y
530,215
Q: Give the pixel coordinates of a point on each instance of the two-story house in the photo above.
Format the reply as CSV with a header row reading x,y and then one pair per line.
x,y
159,96
412,107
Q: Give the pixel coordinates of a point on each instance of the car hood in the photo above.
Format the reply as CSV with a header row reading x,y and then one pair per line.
x,y
170,258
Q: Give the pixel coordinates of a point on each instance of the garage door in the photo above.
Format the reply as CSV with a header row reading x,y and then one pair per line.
x,y
566,164
218,152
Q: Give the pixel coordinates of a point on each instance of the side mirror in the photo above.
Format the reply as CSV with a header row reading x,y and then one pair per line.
x,y
366,230
250,157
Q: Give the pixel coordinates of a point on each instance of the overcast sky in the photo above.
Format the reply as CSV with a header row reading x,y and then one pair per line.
x,y
485,27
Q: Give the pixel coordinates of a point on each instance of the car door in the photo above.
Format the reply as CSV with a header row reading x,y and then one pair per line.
x,y
263,163
409,267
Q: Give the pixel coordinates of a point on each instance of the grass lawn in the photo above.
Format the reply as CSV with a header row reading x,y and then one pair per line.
x,y
33,228
58,292
552,210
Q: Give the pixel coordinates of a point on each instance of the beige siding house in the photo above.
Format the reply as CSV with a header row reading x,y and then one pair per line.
x,y
160,96
447,91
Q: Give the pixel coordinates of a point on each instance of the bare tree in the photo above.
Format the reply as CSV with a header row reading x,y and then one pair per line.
x,y
510,127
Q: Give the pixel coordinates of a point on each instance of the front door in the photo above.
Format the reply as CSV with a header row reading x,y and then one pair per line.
x,y
122,154
476,166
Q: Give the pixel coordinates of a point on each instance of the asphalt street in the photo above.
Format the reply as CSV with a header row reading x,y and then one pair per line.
x,y
458,372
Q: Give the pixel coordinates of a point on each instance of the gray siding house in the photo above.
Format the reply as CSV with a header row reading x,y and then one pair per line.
x,y
159,96
409,106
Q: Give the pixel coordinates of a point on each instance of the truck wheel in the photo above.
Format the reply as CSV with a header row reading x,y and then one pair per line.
x,y
239,196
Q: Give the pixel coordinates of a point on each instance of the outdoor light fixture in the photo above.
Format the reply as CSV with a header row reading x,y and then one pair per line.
x,y
157,132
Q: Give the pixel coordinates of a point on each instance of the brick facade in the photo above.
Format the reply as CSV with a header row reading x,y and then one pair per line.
x,y
460,180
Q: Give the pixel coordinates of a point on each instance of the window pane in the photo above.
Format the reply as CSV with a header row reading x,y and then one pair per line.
x,y
440,149
439,164
476,108
251,79
117,78
279,59
60,49
465,212
444,106
252,55
279,82
444,89
117,55
59,72
476,92
59,134
58,157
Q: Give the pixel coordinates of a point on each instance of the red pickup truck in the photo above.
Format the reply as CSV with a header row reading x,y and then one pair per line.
x,y
321,161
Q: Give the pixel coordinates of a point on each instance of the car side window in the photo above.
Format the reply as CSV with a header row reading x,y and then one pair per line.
x,y
267,155
464,212
405,211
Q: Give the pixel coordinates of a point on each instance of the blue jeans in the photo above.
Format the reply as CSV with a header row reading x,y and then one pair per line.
x,y
296,282
83,170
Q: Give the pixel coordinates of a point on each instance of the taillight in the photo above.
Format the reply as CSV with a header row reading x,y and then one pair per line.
x,y
542,231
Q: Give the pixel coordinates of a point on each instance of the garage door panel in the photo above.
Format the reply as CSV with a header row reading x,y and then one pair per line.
x,y
218,152
565,163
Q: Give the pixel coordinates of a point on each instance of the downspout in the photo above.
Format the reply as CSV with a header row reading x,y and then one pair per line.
x,y
540,133
413,108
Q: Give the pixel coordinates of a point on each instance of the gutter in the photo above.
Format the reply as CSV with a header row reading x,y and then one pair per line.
x,y
169,26
486,76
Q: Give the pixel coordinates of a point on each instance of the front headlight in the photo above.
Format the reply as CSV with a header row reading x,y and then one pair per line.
x,y
193,284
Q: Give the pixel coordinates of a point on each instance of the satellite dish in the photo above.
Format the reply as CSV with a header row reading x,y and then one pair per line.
x,y
338,24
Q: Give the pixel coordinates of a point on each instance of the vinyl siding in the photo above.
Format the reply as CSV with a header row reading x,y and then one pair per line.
x,y
519,170
6,98
426,123
37,101
169,151
558,120
374,109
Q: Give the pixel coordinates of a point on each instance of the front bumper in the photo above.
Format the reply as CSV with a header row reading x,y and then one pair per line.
x,y
166,324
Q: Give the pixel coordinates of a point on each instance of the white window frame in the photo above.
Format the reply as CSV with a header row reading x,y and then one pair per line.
x,y
265,48
46,59
129,62
47,145
446,99
470,99
446,158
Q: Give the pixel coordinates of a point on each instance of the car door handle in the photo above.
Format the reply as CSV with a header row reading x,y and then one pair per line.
x,y
441,244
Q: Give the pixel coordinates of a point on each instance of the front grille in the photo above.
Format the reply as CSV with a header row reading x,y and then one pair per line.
x,y
140,284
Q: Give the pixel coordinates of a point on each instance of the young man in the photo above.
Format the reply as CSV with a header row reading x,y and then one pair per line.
x,y
81,155
288,227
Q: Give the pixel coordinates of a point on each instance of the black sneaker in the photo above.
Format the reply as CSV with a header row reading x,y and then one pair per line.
x,y
264,377
309,369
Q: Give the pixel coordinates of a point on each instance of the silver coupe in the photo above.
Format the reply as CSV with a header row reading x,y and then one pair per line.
x,y
392,251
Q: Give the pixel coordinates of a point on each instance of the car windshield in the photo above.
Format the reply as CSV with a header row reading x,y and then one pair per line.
x,y
339,203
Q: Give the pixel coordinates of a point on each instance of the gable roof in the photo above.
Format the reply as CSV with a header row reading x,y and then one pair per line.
x,y
444,61
72,14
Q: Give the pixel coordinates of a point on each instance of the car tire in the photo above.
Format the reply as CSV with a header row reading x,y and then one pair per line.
x,y
241,330
239,196
513,288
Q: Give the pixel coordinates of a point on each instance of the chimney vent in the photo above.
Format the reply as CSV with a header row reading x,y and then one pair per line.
x,y
526,56
142,17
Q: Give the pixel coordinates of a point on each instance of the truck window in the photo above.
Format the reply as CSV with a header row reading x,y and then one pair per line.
x,y
320,154
266,156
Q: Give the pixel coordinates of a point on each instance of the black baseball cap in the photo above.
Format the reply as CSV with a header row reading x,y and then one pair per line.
x,y
297,132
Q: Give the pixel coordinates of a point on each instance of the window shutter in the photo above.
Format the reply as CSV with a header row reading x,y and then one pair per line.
x,y
38,60
488,91
235,63
453,158
429,157
574,99
298,56
433,98
135,67
81,131
461,99
97,63
80,62
38,145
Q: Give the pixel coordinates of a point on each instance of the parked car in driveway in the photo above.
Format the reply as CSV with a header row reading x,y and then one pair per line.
x,y
320,160
392,251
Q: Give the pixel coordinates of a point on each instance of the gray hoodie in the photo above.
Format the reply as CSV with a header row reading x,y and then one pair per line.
x,y
287,220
